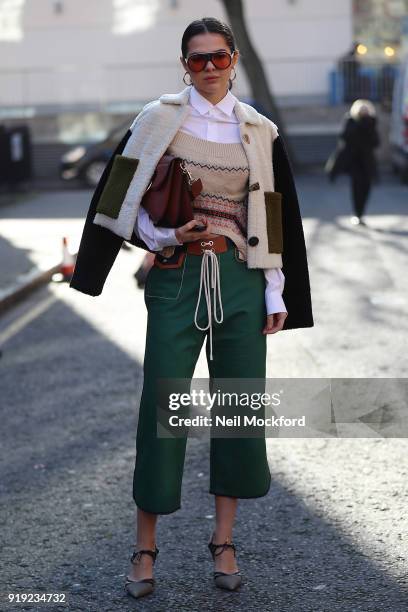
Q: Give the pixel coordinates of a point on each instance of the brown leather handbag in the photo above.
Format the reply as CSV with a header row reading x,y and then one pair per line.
x,y
169,196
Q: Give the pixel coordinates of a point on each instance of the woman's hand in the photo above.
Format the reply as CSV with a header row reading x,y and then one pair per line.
x,y
274,322
186,233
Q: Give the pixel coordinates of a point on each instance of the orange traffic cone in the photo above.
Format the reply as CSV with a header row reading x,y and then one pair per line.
x,y
68,261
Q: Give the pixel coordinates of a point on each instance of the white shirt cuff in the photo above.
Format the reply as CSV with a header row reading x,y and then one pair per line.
x,y
275,282
155,237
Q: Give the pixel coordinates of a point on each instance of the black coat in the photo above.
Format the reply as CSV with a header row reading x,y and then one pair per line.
x,y
361,138
99,246
355,149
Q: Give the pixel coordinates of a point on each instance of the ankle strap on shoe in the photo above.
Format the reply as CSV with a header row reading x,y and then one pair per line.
x,y
213,547
136,556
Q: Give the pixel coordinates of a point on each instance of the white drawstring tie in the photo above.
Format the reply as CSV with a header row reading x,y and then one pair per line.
x,y
208,255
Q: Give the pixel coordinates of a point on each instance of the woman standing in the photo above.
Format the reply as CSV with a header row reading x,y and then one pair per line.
x,y
361,137
253,231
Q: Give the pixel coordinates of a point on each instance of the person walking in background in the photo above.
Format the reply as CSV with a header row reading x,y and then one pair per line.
x,y
360,137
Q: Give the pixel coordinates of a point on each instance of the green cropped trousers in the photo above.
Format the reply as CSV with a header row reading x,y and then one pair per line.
x,y
238,466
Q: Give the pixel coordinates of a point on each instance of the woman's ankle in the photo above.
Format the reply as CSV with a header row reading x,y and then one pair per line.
x,y
219,536
146,544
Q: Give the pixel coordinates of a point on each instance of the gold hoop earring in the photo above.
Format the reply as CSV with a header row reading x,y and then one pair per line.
x,y
191,82
233,79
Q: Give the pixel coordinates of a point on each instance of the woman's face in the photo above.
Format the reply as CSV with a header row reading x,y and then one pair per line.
x,y
206,43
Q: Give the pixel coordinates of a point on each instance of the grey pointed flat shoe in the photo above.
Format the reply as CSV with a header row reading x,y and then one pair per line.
x,y
230,582
140,588
223,580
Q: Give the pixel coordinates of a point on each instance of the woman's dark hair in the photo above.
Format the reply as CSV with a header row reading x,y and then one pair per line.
x,y
208,24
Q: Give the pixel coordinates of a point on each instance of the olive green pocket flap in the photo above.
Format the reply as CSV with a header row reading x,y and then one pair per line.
x,y
273,203
113,194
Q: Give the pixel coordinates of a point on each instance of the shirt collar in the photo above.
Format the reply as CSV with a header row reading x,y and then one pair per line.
x,y
202,105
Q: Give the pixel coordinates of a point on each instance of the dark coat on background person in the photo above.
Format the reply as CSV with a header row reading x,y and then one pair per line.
x,y
355,149
99,246
361,138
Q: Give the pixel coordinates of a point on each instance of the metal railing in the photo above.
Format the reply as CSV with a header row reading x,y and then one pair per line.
x,y
353,79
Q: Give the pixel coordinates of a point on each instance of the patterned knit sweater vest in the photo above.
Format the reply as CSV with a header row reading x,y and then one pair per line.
x,y
224,172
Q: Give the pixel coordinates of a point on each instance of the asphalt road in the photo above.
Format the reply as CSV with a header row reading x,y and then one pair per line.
x,y
331,534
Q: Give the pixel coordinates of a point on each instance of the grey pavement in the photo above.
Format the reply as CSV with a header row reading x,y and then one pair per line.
x,y
331,533
32,226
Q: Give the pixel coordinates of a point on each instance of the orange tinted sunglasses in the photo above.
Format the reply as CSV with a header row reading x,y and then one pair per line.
x,y
220,60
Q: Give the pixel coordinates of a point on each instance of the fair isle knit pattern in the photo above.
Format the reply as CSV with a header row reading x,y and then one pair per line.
x,y
224,171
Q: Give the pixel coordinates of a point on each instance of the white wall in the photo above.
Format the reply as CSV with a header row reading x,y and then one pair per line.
x,y
99,52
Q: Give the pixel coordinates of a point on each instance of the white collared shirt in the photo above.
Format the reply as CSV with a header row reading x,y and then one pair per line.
x,y
218,123
212,122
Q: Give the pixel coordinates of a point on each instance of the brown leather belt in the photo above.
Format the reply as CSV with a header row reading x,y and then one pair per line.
x,y
219,244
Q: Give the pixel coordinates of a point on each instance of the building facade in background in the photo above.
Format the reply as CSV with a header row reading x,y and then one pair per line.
x,y
381,26
75,66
